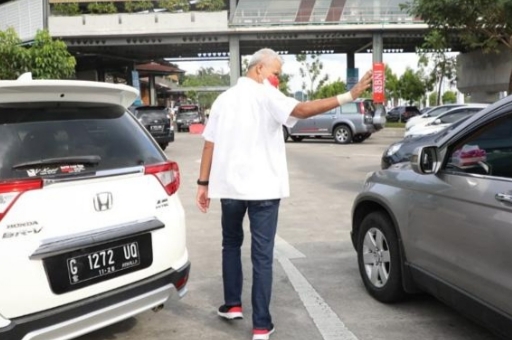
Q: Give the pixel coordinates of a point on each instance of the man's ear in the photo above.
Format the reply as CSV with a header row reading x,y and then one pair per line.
x,y
259,67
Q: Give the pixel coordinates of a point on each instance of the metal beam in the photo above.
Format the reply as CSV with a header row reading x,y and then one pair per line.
x,y
234,59
199,89
378,47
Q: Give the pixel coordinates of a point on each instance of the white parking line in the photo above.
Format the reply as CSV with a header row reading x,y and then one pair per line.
x,y
328,323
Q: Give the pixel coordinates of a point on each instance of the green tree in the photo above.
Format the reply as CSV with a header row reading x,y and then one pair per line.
x,y
102,8
211,5
46,58
392,87
66,9
205,77
15,58
331,89
432,99
412,87
433,52
479,24
135,6
449,97
311,69
174,5
49,58
284,79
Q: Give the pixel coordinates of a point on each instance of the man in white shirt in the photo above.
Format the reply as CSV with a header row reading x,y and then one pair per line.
x,y
244,165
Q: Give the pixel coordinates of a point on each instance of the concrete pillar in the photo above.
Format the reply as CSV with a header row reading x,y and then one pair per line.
x,y
352,71
484,97
351,60
234,59
46,13
378,47
232,8
101,74
152,90
376,10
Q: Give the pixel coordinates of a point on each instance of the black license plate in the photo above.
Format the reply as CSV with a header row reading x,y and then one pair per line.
x,y
78,269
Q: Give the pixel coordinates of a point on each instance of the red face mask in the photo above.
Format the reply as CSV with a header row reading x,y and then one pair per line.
x,y
273,80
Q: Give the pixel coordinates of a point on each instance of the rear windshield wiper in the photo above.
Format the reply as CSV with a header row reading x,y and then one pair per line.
x,y
92,160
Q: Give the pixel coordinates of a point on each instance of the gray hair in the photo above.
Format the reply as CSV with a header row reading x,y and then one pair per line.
x,y
262,56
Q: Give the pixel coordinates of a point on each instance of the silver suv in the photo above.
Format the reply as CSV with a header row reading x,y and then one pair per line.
x,y
443,222
351,122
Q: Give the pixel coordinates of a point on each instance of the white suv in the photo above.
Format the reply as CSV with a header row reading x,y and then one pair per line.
x,y
92,230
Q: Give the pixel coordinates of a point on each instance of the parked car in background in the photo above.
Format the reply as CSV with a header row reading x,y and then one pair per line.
x,y
92,230
434,112
402,113
442,223
402,150
157,120
435,124
186,115
351,122
425,109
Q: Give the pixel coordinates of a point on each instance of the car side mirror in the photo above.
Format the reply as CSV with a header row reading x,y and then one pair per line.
x,y
425,160
437,121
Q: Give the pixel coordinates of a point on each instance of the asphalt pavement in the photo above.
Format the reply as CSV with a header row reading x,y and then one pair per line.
x,y
318,293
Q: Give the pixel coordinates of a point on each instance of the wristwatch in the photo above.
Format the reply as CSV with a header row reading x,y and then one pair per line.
x,y
203,183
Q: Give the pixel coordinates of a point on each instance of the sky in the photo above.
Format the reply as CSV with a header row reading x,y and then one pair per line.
x,y
335,65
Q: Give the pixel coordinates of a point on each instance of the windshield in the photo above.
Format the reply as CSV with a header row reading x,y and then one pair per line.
x,y
45,139
444,132
188,108
438,110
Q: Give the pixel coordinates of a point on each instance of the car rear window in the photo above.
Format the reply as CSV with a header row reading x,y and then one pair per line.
x,y
151,114
51,139
368,106
349,108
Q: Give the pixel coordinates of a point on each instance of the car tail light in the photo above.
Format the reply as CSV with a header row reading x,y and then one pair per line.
x,y
10,191
181,282
168,174
361,108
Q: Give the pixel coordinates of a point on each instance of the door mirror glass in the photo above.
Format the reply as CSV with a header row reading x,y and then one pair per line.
x,y
425,160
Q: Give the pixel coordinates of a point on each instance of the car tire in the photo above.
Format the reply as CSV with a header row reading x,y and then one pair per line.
x,y
342,134
297,138
163,146
378,258
285,134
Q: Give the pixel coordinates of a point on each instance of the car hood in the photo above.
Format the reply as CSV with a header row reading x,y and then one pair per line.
x,y
428,130
414,120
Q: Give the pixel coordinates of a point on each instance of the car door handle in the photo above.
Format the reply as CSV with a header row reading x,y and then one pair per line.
x,y
503,197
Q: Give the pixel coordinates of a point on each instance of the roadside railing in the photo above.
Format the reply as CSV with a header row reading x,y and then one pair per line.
x,y
254,16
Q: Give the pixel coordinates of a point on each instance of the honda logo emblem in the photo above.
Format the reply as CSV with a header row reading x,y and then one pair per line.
x,y
103,201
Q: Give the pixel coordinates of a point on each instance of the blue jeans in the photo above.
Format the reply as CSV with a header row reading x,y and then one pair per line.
x,y
263,224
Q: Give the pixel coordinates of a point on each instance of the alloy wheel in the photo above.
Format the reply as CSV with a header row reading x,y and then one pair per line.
x,y
376,257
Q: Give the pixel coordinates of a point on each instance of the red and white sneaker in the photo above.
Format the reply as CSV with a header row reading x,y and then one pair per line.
x,y
230,312
263,334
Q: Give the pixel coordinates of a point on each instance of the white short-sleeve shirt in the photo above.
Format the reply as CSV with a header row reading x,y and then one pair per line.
x,y
249,156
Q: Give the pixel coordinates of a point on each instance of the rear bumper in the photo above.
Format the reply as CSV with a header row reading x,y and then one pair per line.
x,y
164,138
96,312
